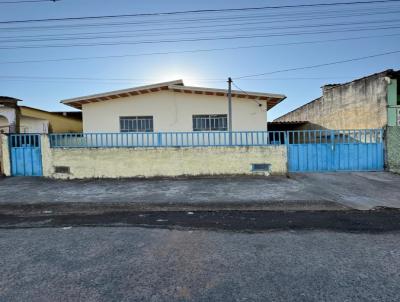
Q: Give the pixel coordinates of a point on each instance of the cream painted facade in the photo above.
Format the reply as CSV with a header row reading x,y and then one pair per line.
x,y
161,162
173,111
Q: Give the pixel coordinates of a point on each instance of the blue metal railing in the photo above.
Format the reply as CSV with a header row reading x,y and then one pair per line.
x,y
361,136
166,139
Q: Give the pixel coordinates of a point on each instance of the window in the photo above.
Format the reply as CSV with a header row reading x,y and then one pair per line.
x,y
136,123
210,122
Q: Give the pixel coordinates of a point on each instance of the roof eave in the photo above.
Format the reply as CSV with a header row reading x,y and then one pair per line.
x,y
177,86
118,92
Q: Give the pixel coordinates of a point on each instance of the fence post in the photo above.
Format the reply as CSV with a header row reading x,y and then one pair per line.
x,y
286,142
46,155
159,139
5,158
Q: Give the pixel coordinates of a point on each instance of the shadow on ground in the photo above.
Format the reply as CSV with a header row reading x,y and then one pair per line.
x,y
379,220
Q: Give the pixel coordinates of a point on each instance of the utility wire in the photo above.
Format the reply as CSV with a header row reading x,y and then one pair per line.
x,y
27,1
199,39
144,81
319,65
234,84
200,11
89,36
273,18
199,50
240,77
198,26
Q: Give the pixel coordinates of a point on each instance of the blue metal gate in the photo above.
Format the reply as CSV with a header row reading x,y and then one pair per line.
x,y
335,150
26,155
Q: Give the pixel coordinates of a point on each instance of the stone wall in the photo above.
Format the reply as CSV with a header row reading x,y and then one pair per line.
x,y
393,149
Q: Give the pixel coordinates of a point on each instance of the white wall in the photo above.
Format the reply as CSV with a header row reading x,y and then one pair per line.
x,y
172,111
33,125
4,125
7,118
26,124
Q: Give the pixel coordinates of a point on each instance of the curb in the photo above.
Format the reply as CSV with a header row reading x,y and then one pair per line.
x,y
90,208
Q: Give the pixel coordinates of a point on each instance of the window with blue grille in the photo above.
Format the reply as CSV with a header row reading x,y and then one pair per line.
x,y
210,122
136,123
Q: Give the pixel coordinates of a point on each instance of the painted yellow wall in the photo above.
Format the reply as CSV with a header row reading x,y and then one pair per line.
x,y
58,123
172,111
169,162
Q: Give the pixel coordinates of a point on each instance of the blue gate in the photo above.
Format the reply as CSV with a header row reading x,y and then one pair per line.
x,y
26,155
335,150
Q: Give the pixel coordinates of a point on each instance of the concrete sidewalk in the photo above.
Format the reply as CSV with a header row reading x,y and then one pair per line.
x,y
325,191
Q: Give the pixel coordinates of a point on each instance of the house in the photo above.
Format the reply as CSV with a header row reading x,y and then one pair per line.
x,y
164,129
24,119
173,107
371,102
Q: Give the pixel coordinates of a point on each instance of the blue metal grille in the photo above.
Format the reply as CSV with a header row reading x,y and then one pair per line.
x,y
26,156
166,139
210,122
335,150
136,123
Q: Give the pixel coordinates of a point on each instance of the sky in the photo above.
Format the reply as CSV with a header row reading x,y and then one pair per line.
x,y
149,49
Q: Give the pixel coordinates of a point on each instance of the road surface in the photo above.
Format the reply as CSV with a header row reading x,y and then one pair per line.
x,y
150,264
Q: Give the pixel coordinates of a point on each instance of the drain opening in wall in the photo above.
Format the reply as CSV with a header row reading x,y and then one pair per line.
x,y
260,167
62,169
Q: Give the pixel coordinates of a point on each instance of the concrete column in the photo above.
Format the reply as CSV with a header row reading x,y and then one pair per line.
x,y
5,163
393,148
393,106
47,159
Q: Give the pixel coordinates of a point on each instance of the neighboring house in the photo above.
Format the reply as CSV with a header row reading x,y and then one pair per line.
x,y
171,106
367,103
24,119
370,102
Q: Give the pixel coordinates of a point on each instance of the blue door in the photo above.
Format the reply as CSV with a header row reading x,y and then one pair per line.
x,y
26,155
335,150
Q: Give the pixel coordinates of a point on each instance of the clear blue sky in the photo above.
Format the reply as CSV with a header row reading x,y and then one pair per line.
x,y
43,84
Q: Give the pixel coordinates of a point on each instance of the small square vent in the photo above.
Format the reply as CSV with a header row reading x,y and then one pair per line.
x,y
260,167
62,169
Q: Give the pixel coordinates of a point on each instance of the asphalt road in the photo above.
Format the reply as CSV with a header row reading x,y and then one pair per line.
x,y
142,264
363,191
379,220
